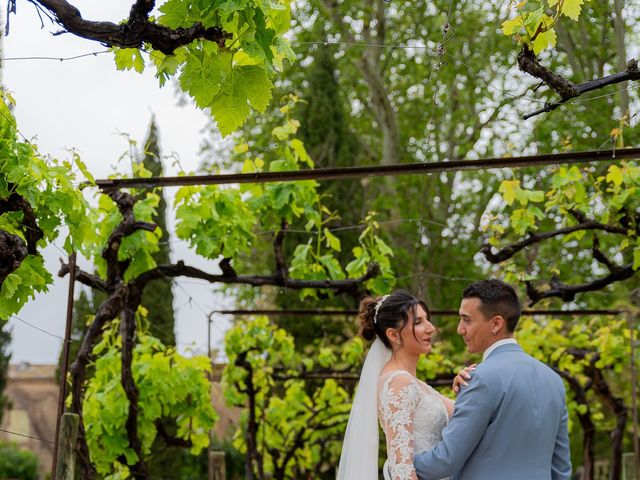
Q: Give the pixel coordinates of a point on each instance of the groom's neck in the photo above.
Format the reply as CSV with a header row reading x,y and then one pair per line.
x,y
498,338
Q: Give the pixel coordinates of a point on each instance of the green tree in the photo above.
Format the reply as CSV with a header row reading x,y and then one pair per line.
x,y
158,298
389,79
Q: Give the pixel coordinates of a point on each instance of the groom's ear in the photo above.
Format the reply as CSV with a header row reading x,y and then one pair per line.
x,y
498,324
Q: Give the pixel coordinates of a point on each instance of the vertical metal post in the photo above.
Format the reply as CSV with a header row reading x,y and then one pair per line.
x,y
65,361
631,317
210,453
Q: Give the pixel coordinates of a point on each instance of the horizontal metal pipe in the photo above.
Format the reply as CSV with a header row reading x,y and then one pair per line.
x,y
441,313
374,171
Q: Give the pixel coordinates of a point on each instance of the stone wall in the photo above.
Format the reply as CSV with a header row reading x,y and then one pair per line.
x,y
33,393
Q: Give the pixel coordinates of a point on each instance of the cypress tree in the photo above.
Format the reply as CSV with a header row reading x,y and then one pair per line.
x,y
324,129
158,296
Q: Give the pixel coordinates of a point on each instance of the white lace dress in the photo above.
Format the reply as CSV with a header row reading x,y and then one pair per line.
x,y
412,415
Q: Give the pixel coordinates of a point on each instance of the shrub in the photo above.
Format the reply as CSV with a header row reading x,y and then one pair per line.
x,y
17,463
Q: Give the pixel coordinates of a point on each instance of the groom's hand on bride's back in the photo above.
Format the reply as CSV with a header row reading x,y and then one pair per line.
x,y
463,376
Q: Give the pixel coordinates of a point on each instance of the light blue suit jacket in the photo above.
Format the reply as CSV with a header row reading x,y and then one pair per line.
x,y
510,423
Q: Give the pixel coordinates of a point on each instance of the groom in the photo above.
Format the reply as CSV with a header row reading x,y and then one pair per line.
x,y
510,422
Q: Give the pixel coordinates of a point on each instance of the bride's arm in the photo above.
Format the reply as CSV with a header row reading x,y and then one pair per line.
x,y
398,401
448,404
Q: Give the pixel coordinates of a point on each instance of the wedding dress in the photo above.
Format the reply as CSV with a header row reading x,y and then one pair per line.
x,y
412,415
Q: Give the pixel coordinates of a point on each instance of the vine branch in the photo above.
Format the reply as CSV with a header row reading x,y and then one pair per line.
x,y
128,225
127,332
509,251
134,32
529,63
555,288
180,269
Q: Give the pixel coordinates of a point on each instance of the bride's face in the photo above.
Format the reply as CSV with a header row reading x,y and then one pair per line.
x,y
417,334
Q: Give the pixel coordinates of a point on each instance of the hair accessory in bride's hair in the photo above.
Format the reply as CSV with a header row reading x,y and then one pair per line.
x,y
377,308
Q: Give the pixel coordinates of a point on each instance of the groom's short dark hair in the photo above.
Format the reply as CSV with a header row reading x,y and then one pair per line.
x,y
498,298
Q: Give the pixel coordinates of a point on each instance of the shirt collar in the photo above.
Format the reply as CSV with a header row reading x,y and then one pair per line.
x,y
504,341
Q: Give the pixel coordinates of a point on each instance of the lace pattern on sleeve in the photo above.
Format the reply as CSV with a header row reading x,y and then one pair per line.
x,y
398,399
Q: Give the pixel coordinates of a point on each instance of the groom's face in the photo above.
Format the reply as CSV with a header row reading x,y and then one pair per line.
x,y
474,328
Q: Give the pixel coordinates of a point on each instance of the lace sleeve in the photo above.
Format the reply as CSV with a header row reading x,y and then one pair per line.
x,y
399,397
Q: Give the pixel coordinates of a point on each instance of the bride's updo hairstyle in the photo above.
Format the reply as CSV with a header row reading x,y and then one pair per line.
x,y
377,314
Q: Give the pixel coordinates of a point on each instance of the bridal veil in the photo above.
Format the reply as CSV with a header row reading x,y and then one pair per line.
x,y
359,458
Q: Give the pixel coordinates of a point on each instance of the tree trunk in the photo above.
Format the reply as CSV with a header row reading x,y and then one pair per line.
x,y
588,428
619,409
621,51
371,69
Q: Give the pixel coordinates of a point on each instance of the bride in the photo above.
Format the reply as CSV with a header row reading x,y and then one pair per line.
x,y
412,414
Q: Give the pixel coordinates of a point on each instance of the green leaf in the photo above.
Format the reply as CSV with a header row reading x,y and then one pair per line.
x,y
230,112
301,152
614,175
230,6
283,47
252,83
512,26
175,13
508,189
533,19
572,8
129,58
544,40
333,267
203,75
332,241
10,285
535,195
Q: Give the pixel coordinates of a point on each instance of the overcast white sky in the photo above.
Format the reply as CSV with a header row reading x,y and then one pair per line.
x,y
85,104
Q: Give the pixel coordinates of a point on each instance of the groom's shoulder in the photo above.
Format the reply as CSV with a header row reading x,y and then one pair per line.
x,y
519,362
511,358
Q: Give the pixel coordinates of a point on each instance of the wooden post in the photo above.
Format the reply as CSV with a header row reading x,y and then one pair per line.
x,y
629,471
217,466
67,440
632,317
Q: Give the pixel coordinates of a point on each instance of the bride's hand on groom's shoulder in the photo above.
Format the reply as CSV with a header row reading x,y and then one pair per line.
x,y
461,378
